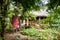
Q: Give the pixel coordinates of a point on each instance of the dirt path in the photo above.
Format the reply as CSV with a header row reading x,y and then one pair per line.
x,y
11,36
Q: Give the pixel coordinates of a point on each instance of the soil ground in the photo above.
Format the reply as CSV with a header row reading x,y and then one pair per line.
x,y
11,36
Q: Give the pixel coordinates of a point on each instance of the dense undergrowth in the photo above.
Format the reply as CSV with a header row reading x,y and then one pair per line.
x,y
35,34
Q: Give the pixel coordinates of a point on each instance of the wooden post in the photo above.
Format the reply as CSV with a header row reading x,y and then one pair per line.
x,y
39,20
27,22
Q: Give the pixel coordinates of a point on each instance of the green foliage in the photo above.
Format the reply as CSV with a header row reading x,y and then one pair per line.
x,y
53,19
58,10
53,4
8,28
27,4
17,37
4,4
47,34
32,16
14,9
30,31
0,38
28,15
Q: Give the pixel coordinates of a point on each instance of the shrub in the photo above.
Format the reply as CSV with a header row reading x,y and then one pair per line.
x,y
8,28
17,37
30,31
47,34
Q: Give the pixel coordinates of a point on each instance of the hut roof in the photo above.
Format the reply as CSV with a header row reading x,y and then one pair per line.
x,y
40,13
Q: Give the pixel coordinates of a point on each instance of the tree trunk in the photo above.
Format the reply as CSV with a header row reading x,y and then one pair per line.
x,y
4,6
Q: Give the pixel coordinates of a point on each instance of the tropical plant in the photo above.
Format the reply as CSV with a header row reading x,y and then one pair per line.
x,y
33,33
